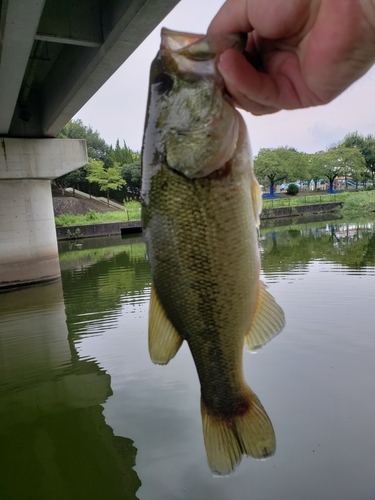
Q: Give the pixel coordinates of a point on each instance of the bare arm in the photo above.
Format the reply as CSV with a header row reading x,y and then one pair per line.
x,y
300,53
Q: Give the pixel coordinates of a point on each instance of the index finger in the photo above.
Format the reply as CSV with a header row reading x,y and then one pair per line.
x,y
231,18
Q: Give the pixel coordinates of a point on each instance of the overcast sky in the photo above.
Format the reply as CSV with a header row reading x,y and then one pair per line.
x,y
117,110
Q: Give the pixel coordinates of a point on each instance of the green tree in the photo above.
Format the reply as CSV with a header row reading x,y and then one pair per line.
x,y
97,148
121,155
366,145
315,169
330,165
73,179
112,157
278,164
107,179
339,161
132,175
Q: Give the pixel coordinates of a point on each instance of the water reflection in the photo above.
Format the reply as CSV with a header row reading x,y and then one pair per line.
x,y
54,440
108,277
285,250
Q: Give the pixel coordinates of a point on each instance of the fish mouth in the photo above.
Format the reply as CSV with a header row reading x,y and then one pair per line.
x,y
201,47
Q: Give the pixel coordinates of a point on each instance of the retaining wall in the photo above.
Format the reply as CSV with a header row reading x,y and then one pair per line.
x,y
317,208
93,230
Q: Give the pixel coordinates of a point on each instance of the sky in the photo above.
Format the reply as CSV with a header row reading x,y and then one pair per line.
x,y
118,109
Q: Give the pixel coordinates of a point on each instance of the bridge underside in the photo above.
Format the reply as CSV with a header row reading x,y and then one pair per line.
x,y
54,56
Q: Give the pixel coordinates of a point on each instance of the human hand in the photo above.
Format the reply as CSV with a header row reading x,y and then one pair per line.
x,y
299,53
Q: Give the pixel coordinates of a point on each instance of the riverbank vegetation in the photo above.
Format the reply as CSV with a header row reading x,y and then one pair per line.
x,y
354,203
360,204
132,211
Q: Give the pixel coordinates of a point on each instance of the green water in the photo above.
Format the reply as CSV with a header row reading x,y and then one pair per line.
x,y
84,414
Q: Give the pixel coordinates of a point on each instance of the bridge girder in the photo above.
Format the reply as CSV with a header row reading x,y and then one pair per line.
x,y
54,56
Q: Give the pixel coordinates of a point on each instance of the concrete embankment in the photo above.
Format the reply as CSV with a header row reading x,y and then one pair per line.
x,y
94,230
316,208
115,228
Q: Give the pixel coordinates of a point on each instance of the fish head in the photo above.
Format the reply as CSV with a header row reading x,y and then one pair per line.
x,y
192,125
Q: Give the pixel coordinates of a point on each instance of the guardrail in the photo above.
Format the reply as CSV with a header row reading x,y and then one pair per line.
x,y
303,200
100,199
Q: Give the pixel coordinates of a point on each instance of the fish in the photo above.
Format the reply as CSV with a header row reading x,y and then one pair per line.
x,y
201,205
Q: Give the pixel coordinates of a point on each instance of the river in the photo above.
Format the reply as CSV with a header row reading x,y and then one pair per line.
x,y
84,414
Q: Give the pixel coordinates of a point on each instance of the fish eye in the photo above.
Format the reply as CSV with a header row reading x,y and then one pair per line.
x,y
163,83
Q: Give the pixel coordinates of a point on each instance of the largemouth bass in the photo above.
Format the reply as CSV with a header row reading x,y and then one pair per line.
x,y
200,212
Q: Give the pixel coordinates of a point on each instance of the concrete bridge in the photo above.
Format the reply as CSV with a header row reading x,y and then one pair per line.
x,y
54,56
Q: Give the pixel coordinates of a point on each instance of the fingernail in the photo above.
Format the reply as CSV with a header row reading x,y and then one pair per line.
x,y
224,66
224,62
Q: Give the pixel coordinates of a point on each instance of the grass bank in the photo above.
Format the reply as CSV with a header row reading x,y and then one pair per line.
x,y
132,211
358,204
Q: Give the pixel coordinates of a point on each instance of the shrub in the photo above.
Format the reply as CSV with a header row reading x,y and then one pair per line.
x,y
292,189
362,203
91,215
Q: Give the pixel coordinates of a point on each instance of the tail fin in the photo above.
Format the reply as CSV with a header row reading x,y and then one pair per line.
x,y
226,440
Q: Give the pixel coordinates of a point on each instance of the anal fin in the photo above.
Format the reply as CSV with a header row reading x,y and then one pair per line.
x,y
268,320
163,339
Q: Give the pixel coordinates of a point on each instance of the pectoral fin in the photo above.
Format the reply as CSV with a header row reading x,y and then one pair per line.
x,y
268,321
163,339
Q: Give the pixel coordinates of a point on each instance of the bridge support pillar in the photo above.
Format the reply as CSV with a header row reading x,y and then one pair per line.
x,y
28,244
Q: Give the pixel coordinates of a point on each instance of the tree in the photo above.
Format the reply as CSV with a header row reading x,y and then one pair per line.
x,y
278,164
121,155
340,161
70,180
97,148
329,164
107,179
132,175
366,145
315,169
